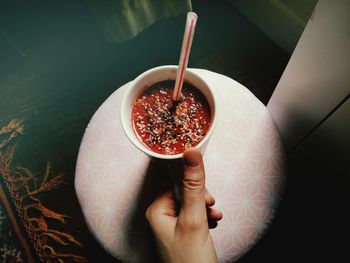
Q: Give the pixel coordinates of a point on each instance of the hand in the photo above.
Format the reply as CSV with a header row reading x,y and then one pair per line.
x,y
183,237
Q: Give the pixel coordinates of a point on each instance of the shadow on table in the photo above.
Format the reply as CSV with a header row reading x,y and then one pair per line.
x,y
312,217
159,178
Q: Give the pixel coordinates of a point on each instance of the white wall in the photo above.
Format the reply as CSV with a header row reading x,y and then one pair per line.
x,y
317,77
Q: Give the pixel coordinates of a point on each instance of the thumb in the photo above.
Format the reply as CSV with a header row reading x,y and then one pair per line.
x,y
193,209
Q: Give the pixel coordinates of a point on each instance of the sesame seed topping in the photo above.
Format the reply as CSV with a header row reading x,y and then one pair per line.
x,y
169,127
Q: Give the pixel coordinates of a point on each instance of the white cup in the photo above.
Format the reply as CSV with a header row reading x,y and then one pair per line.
x,y
146,80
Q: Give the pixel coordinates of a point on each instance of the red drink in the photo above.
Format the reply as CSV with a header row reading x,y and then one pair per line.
x,y
168,127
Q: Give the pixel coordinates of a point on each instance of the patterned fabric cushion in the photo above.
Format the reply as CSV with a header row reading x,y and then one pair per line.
x,y
244,160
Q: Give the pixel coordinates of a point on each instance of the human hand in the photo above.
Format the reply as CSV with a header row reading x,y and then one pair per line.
x,y
183,236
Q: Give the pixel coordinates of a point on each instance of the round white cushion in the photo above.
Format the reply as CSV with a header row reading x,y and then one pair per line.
x,y
244,165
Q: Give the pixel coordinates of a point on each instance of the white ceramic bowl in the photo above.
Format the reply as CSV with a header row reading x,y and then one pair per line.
x,y
149,78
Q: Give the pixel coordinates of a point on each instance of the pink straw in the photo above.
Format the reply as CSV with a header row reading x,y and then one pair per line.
x,y
185,53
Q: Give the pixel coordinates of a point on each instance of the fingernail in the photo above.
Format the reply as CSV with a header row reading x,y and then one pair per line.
x,y
192,160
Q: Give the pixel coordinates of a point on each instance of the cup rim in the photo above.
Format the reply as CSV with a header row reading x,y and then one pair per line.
x,y
126,119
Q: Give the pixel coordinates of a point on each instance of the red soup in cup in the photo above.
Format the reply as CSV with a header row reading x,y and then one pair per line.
x,y
166,126
160,127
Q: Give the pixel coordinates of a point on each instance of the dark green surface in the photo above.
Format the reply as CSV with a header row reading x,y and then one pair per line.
x,y
57,68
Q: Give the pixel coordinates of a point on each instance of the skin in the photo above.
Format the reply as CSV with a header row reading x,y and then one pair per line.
x,y
182,235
